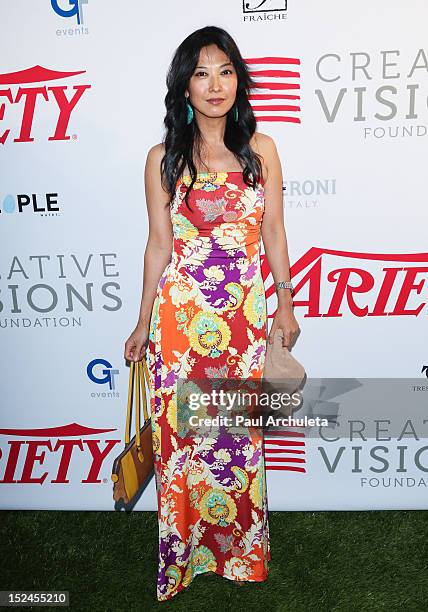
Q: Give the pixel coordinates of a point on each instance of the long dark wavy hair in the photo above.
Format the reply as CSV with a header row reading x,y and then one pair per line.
x,y
182,139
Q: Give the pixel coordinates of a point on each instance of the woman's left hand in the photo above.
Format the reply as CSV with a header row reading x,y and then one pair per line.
x,y
284,319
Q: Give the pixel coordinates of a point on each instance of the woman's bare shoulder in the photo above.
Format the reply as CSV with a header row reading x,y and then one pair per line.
x,y
156,152
264,145
153,161
152,173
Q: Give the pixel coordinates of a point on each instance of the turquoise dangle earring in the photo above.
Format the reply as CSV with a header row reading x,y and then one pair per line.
x,y
189,112
235,113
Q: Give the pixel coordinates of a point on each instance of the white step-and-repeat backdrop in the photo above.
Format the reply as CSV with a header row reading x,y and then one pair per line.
x,y
343,91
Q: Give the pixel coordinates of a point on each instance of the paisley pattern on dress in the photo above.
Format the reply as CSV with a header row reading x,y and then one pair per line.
x,y
209,320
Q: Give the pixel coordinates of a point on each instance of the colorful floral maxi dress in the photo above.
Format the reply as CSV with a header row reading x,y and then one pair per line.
x,y
209,319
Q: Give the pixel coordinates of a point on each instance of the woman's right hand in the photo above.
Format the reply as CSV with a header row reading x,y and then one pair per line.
x,y
136,344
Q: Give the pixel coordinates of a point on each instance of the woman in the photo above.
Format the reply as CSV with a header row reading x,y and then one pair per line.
x,y
213,188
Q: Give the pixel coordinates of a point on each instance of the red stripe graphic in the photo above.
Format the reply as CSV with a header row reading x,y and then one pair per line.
x,y
273,97
274,73
267,76
72,429
277,118
280,451
274,86
273,60
276,107
35,74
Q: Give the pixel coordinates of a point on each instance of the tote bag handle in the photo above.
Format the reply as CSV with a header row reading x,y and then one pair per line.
x,y
136,373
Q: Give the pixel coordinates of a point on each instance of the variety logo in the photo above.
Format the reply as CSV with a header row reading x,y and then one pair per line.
x,y
101,372
54,454
74,8
45,205
337,283
65,99
277,88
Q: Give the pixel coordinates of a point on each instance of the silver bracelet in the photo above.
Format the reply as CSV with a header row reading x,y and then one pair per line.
x,y
284,285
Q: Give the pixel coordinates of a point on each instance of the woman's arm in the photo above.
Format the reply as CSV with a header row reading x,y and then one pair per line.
x,y
275,240
159,243
158,250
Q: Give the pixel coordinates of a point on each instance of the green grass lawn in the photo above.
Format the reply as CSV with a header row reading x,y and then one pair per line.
x,y
320,561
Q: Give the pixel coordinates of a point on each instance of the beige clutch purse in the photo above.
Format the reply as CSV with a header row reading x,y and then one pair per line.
x,y
282,372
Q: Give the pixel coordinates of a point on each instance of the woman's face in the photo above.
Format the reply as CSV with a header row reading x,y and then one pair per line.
x,y
212,86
